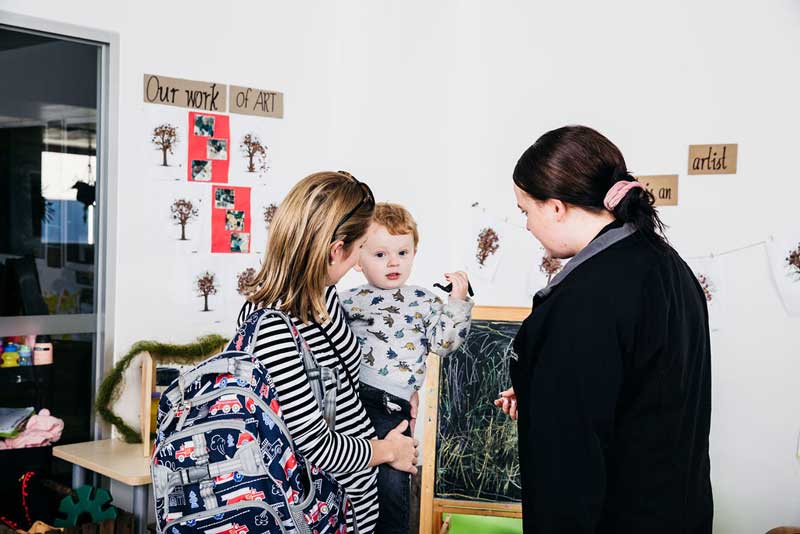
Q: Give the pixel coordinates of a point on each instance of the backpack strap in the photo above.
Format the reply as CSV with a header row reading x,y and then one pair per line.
x,y
324,381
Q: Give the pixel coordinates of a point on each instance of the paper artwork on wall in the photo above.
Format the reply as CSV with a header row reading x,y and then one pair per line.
x,y
183,211
784,263
165,143
209,155
709,275
164,137
243,281
485,246
254,152
230,219
205,286
269,214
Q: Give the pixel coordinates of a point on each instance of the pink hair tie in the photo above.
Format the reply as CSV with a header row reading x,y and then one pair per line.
x,y
618,192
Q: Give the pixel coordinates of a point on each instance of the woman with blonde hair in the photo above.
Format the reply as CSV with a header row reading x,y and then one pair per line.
x,y
314,240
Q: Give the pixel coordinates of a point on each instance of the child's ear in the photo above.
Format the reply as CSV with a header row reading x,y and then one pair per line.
x,y
357,266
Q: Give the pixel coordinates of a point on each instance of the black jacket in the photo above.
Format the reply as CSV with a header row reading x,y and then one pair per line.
x,y
613,383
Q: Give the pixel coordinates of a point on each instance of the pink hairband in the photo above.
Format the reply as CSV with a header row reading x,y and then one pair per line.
x,y
618,192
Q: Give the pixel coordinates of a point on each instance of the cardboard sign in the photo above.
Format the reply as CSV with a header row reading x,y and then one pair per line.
x,y
712,159
207,96
663,186
259,102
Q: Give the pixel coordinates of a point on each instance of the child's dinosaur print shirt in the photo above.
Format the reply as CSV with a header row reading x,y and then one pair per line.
x,y
398,327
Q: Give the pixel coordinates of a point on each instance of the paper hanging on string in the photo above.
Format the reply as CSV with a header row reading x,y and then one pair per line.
x,y
783,252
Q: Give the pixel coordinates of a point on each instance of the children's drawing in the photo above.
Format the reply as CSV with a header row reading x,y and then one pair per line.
x,y
488,244
793,263
269,214
244,281
164,137
205,286
255,153
183,211
783,251
484,248
550,266
709,274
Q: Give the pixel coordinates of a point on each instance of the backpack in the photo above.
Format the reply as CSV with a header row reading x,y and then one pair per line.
x,y
224,460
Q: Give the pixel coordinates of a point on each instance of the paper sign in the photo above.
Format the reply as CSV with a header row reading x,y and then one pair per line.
x,y
259,102
663,186
230,219
712,159
207,96
209,147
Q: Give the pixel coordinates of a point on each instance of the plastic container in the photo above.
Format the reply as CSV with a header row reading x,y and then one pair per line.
x,y
11,356
43,351
25,356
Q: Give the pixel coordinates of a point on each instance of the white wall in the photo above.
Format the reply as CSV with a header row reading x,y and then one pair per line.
x,y
432,103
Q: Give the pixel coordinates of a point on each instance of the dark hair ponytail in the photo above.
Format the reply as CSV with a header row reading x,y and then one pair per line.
x,y
578,165
638,208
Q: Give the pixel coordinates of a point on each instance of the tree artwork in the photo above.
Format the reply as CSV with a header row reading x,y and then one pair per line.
x,y
245,280
164,137
182,212
488,244
550,266
206,287
707,285
269,214
255,152
793,263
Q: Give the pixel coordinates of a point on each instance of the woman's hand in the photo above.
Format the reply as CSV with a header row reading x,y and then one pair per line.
x,y
405,457
396,449
460,284
508,403
414,402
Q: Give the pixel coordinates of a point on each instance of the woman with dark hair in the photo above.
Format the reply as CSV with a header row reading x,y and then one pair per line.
x,y
612,370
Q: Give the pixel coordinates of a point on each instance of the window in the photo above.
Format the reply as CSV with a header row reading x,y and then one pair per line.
x,y
49,115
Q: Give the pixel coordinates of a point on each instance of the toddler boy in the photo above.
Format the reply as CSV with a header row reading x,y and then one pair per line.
x,y
397,326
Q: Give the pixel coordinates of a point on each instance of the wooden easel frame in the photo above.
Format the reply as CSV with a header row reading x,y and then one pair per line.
x,y
432,508
149,365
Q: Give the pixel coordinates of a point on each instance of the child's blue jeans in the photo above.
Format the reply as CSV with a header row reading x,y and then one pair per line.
x,y
386,411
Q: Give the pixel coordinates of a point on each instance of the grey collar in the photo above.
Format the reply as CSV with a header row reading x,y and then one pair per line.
x,y
594,248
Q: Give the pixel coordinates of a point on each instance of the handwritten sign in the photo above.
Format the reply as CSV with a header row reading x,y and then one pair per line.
x,y
259,102
712,159
207,96
663,186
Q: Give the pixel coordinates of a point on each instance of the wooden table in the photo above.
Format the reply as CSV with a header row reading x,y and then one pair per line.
x,y
116,460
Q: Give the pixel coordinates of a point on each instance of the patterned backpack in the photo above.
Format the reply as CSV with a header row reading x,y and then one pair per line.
x,y
224,460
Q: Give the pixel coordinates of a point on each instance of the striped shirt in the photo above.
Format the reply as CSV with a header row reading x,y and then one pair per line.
x,y
346,453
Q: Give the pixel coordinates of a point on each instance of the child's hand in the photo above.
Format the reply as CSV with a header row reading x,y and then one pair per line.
x,y
460,284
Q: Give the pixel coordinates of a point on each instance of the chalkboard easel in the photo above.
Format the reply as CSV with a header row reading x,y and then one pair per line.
x,y
493,328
